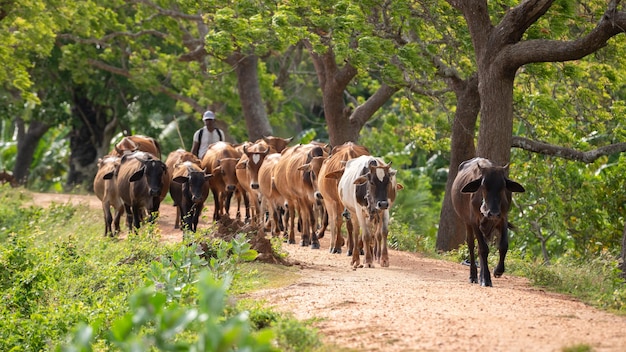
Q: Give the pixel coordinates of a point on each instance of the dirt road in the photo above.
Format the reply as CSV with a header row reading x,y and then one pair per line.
x,y
421,304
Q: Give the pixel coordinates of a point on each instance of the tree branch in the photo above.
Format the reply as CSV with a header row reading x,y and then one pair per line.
x,y
364,112
542,50
566,153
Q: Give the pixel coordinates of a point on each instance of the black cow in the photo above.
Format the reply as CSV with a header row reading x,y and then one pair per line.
x,y
142,183
194,190
481,196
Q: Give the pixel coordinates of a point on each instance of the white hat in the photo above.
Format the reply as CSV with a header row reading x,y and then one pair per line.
x,y
208,115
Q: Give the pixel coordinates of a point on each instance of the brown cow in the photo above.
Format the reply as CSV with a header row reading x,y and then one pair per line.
x,y
143,182
220,161
137,142
295,178
247,171
329,193
275,144
105,188
481,196
188,187
271,201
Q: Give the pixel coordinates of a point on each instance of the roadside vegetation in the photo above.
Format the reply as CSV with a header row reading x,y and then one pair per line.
x,y
65,287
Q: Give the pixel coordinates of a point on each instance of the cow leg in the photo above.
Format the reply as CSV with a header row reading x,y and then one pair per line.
x,y
315,243
383,255
290,223
349,230
470,246
483,253
355,234
116,219
108,218
137,216
503,248
217,203
129,217
178,217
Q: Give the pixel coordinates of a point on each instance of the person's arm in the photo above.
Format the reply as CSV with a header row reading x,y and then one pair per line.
x,y
195,148
196,144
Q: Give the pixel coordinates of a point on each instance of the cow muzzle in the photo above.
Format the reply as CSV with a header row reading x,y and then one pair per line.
x,y
154,192
382,204
254,185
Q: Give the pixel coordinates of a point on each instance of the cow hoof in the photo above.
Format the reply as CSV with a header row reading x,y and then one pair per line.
x,y
369,265
473,280
349,253
337,251
291,241
303,244
315,246
384,264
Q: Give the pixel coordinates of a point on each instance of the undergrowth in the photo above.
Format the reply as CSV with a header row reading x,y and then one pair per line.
x,y
65,287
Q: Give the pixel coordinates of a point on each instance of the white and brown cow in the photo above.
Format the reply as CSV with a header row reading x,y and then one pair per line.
x,y
367,189
481,196
247,171
143,183
189,187
105,188
327,182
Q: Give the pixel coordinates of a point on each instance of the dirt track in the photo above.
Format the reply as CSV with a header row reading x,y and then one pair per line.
x,y
421,304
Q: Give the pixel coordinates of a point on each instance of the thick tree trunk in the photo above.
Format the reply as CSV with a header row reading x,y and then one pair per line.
x,y
252,104
496,115
27,141
451,231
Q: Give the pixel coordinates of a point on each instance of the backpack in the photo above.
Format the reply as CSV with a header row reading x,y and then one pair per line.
x,y
220,133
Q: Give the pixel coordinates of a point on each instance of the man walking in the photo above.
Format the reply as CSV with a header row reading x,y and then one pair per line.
x,y
207,135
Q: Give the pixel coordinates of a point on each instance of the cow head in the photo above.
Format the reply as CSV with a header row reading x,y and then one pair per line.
x,y
253,164
495,190
153,170
192,178
226,167
374,186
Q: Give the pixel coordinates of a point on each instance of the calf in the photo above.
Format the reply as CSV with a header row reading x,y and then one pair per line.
x,y
481,197
105,188
142,182
367,190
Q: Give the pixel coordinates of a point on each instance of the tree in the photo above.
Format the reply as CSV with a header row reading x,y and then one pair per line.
x,y
503,48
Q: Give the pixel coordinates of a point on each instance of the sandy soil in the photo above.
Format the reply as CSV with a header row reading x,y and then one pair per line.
x,y
421,304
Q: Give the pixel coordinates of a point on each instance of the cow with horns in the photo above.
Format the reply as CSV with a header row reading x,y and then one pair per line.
x,y
481,196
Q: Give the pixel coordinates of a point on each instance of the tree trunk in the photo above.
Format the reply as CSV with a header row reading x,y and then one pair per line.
x,y
496,115
27,141
252,104
623,256
451,231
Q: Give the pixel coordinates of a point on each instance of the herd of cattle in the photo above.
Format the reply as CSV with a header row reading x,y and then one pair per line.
x,y
306,186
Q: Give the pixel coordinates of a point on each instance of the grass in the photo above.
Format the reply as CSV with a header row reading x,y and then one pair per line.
x,y
58,273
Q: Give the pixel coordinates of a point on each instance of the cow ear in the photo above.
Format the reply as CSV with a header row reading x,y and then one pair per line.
x,y
335,174
472,186
180,179
242,164
360,180
137,175
399,186
108,175
305,167
514,186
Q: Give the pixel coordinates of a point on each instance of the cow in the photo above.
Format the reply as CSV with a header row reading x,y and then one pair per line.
x,y
105,188
7,177
221,161
189,187
367,189
481,197
247,171
275,144
328,179
295,179
143,183
135,143
271,201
